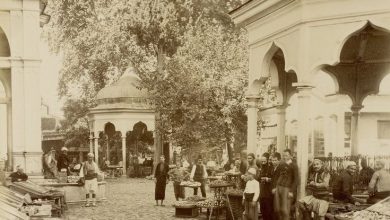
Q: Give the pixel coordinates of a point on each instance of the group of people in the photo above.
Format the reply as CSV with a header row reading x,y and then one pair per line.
x,y
53,164
162,175
272,180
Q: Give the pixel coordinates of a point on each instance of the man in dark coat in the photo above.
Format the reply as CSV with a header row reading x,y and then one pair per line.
x,y
275,173
343,186
161,178
63,160
19,175
266,198
286,186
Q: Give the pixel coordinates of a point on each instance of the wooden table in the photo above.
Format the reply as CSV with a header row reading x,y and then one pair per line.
x,y
219,195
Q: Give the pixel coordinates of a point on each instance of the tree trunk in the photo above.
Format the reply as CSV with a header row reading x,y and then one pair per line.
x,y
158,138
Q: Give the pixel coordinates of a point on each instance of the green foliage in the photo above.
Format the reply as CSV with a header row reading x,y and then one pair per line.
x,y
188,53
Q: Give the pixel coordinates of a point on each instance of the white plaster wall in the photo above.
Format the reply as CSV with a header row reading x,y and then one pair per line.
x,y
20,21
368,134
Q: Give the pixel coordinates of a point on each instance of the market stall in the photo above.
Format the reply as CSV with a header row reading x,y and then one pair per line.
x,y
74,193
378,211
14,205
55,198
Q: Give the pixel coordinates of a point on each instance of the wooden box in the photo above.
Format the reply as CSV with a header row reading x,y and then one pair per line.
x,y
186,212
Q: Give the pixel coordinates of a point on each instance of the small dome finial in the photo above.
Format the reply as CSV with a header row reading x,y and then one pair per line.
x,y
130,71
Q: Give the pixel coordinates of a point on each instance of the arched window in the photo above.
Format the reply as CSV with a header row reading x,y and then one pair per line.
x,y
319,149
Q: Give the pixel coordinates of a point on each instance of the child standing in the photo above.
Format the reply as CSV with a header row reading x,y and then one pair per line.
x,y
251,195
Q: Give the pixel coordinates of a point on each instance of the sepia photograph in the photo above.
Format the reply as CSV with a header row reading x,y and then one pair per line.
x,y
195,109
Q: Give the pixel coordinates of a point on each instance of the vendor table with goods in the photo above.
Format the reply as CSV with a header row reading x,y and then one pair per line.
x,y
14,205
37,192
234,177
114,170
378,211
218,204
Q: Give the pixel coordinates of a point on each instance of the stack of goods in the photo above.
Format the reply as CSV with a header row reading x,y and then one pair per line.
x,y
220,183
54,197
379,211
62,177
17,206
73,179
233,173
184,204
235,192
211,203
195,199
190,184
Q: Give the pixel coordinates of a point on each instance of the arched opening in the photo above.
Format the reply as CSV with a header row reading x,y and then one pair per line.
x,y
139,147
276,93
4,45
364,62
384,87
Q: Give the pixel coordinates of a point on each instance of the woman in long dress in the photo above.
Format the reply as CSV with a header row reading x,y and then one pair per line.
x,y
50,164
161,179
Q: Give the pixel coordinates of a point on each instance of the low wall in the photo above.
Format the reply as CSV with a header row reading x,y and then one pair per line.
x,y
75,193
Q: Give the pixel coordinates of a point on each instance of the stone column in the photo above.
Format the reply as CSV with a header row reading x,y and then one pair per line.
x,y
303,136
281,125
9,138
108,147
355,128
96,147
124,153
90,142
252,123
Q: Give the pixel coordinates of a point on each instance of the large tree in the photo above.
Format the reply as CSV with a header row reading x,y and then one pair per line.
x,y
188,53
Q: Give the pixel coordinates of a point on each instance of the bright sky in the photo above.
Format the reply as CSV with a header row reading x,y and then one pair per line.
x,y
50,67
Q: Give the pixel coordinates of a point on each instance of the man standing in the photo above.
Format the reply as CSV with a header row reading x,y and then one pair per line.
x,y
199,174
89,172
275,173
63,160
266,198
343,186
317,188
177,175
251,195
161,178
19,175
286,186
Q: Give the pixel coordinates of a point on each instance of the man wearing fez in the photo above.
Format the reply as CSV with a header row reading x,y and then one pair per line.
x,y
199,174
63,160
343,186
19,175
89,171
317,188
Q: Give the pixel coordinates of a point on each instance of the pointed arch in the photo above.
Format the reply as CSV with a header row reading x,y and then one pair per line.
x,y
5,50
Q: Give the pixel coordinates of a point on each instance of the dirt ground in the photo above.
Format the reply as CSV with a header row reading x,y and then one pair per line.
x,y
129,198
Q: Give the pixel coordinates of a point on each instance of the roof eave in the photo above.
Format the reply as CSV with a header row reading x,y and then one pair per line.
x,y
256,9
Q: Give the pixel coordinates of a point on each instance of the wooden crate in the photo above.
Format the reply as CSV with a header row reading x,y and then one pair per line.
x,y
186,212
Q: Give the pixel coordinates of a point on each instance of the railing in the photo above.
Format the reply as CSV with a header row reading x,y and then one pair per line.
x,y
335,165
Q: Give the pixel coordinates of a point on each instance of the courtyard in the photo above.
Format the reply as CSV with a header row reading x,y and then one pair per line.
x,y
128,198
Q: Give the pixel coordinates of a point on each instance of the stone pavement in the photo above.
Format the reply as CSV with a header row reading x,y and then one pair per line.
x,y
129,199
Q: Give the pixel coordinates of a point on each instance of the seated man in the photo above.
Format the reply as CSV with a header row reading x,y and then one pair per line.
x,y
379,187
343,186
317,188
19,175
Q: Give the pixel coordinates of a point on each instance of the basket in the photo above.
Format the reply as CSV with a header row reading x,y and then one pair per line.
x,y
236,208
